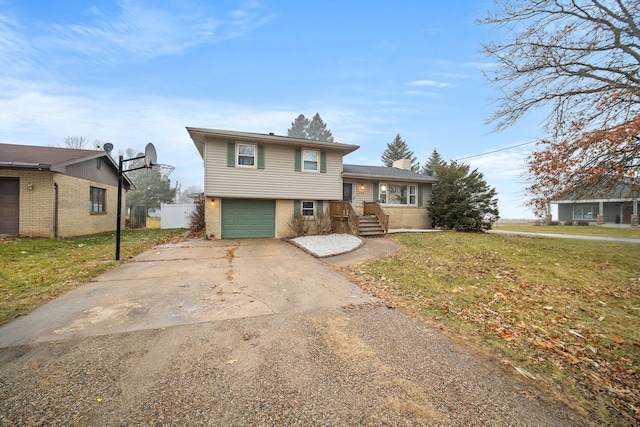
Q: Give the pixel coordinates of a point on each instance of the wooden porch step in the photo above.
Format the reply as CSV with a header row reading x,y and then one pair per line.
x,y
369,226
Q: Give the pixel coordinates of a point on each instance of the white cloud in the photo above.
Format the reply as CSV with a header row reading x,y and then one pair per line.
x,y
480,65
429,83
136,31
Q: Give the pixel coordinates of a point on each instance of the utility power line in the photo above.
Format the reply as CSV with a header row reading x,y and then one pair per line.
x,y
495,151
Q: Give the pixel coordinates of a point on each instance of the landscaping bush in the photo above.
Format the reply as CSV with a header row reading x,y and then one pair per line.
x,y
197,223
323,225
554,223
568,222
298,224
583,223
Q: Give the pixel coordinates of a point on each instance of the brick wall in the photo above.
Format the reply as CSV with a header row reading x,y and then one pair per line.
x,y
284,211
74,216
37,205
408,217
212,216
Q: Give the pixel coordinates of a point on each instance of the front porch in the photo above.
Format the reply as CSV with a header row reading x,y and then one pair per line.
x,y
373,221
599,212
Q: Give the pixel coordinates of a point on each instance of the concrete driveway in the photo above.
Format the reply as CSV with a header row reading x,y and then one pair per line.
x,y
244,333
185,283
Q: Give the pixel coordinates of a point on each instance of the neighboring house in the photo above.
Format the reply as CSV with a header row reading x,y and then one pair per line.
x,y
255,183
616,205
57,192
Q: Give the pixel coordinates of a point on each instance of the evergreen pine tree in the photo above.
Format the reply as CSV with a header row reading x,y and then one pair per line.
x,y
396,150
462,200
434,160
317,130
299,127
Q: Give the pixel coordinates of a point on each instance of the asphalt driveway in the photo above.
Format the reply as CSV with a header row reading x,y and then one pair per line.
x,y
251,332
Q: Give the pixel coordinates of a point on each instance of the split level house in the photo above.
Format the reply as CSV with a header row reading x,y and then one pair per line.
x,y
617,204
254,184
57,192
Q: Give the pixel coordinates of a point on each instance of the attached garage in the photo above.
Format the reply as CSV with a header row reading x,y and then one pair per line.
x,y
9,205
248,218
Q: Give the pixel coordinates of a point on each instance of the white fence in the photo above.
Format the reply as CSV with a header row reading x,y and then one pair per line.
x,y
176,215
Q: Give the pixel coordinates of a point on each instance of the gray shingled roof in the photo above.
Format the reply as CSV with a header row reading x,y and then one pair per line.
x,y
25,155
365,171
55,159
619,191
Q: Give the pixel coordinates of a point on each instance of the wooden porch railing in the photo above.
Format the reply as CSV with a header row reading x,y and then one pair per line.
x,y
374,208
344,218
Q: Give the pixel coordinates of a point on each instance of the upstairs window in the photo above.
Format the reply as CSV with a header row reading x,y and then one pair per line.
x,y
246,156
310,160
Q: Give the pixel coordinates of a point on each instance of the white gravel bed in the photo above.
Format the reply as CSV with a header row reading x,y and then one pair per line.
x,y
332,244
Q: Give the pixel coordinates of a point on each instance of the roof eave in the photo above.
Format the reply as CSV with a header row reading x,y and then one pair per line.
x,y
198,135
24,165
427,180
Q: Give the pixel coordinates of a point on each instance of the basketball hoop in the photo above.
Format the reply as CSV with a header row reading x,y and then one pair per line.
x,y
165,170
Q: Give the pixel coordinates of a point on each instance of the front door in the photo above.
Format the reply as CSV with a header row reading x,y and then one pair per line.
x,y
347,192
627,211
9,206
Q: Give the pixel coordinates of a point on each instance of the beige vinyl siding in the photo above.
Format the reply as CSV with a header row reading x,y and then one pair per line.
x,y
278,180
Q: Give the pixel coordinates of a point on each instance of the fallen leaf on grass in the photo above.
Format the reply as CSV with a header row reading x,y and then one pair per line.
x,y
546,345
618,340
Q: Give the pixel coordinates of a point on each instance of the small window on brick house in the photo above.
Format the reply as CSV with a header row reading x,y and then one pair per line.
x,y
97,197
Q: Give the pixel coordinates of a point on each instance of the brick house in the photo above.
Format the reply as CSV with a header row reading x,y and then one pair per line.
x,y
57,192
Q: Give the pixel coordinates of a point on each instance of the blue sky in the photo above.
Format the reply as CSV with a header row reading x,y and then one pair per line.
x,y
138,71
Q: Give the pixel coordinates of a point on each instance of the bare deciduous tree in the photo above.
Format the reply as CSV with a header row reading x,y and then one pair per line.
x,y
75,142
581,59
574,55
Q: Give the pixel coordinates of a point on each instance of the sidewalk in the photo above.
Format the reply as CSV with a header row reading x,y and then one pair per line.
x,y
568,236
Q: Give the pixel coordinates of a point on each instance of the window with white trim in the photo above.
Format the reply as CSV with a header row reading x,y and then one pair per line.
x,y
308,208
398,194
413,200
383,194
585,212
246,155
97,200
310,160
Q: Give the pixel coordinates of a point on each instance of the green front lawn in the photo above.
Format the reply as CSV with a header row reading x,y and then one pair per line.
x,y
565,311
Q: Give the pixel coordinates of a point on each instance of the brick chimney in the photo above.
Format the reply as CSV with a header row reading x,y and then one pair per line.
x,y
402,164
